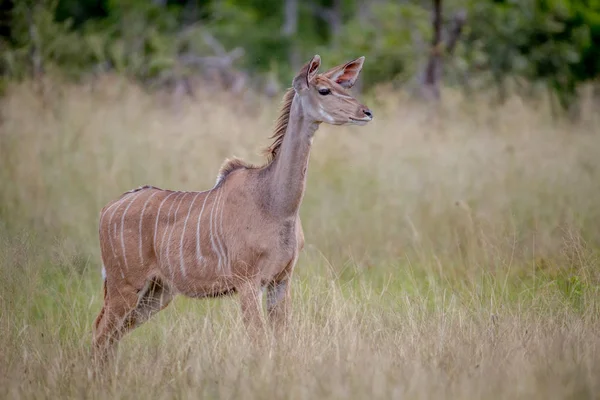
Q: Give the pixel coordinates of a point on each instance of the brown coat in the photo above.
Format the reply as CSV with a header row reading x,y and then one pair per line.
x,y
240,236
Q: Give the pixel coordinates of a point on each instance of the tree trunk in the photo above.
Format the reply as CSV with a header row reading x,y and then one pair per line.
x,y
363,10
430,87
289,30
35,52
457,25
335,22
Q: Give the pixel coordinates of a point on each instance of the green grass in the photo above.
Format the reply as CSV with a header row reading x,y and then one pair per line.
x,y
448,256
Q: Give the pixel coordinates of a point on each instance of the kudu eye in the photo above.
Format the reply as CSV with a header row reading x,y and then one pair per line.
x,y
324,91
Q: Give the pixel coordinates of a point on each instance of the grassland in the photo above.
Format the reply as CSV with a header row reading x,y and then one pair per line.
x,y
449,255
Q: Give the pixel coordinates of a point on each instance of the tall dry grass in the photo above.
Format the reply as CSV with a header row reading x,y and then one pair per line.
x,y
452,255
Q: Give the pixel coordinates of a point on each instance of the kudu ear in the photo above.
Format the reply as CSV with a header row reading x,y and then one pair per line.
x,y
346,75
306,74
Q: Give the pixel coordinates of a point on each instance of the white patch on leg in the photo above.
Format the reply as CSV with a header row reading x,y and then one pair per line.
x,y
276,294
144,290
103,272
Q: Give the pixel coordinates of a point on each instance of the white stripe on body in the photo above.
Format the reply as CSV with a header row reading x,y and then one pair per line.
x,y
162,242
110,237
118,263
198,233
171,234
157,217
182,262
220,236
212,239
122,226
142,219
111,206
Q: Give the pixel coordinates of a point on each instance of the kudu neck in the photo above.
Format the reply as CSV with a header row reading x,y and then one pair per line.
x,y
288,181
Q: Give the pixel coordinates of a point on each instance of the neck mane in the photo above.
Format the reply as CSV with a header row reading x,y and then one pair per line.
x,y
281,125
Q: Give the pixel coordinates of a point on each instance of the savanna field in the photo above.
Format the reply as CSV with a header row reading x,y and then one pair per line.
x,y
450,254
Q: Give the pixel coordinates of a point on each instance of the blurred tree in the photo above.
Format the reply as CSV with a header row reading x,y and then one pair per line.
x,y
432,74
80,11
553,44
433,70
388,35
290,30
5,19
38,41
550,42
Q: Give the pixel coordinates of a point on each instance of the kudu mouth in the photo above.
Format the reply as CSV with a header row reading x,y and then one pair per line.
x,y
362,121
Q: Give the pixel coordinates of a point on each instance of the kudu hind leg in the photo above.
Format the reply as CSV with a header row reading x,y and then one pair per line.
x,y
109,325
154,298
128,311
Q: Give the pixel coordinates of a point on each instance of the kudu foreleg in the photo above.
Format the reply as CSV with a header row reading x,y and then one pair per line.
x,y
279,304
251,305
279,298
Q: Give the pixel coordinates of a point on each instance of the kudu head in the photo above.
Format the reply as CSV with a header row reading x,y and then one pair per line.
x,y
324,97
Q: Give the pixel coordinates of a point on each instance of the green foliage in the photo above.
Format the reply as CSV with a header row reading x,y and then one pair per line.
x,y
39,41
136,38
553,44
387,38
235,25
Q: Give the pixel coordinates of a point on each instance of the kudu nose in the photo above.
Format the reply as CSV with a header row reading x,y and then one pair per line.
x,y
368,113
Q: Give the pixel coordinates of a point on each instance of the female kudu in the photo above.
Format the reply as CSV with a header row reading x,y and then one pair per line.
x,y
239,236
